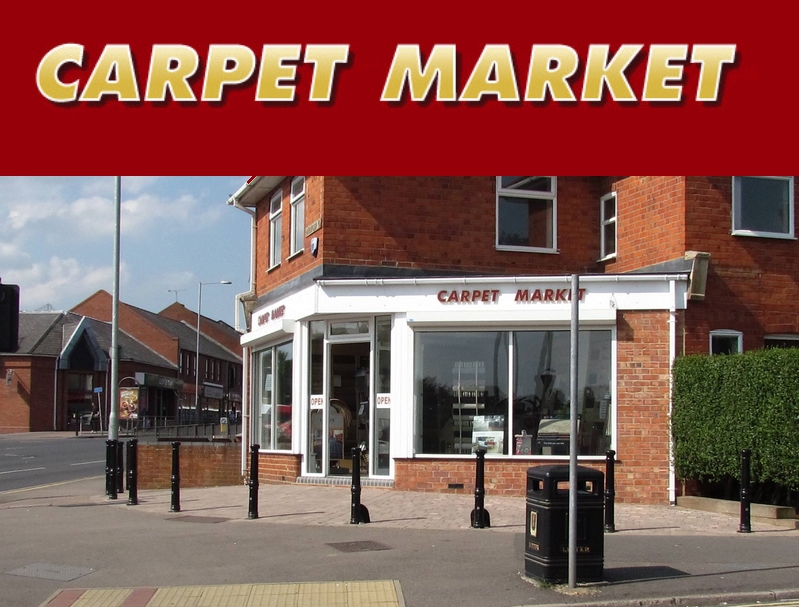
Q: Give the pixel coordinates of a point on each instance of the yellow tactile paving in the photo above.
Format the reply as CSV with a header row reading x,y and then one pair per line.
x,y
225,596
379,593
179,596
103,597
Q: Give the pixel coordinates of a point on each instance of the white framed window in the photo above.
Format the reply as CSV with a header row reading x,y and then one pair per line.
x,y
726,341
782,340
607,227
527,210
275,229
762,206
297,202
273,397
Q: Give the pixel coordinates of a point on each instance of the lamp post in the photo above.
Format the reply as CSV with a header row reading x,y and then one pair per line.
x,y
197,361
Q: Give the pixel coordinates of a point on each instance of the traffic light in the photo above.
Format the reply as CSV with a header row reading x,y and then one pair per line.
x,y
9,318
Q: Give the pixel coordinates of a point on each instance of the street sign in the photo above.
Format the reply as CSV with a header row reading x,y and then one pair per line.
x,y
98,390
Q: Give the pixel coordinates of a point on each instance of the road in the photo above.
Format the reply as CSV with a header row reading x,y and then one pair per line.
x,y
43,458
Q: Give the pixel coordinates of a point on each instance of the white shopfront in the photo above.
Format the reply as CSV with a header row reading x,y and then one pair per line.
x,y
413,369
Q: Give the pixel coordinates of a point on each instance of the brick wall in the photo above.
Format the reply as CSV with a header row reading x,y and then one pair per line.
x,y
279,469
26,405
753,283
201,465
650,221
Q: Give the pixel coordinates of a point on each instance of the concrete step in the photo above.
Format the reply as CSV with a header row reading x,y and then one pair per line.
x,y
781,516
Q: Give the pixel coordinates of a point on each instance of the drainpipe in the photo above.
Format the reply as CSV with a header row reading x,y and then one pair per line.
x,y
234,201
672,356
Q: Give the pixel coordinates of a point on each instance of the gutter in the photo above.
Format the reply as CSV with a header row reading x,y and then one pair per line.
x,y
502,279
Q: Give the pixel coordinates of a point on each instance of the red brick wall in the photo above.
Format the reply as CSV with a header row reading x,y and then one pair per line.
x,y
177,311
201,465
430,223
753,283
278,469
27,404
650,221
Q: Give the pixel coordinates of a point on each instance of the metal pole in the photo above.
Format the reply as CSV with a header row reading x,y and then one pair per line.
x,y
746,493
133,479
175,504
113,418
610,491
480,517
575,324
197,358
252,513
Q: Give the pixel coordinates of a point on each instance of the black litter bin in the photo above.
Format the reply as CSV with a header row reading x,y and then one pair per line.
x,y
546,552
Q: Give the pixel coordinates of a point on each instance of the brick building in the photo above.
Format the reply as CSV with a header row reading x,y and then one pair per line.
x,y
173,334
419,317
59,375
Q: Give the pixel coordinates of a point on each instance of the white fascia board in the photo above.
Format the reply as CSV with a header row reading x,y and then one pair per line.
x,y
254,190
546,296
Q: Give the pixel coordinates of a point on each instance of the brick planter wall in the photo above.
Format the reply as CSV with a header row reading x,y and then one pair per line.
x,y
201,465
278,469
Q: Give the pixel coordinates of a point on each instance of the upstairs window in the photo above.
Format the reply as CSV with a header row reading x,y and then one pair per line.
x,y
275,229
527,214
762,206
725,341
297,214
607,219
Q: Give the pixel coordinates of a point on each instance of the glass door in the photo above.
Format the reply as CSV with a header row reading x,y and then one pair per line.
x,y
348,411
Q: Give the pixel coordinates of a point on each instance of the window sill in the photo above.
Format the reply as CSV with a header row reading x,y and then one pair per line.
x,y
607,258
772,235
273,268
296,254
527,249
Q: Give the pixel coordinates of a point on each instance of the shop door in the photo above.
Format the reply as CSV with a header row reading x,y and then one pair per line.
x,y
348,413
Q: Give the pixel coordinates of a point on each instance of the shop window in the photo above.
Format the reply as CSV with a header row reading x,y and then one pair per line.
x,y
724,341
526,214
297,214
273,387
781,341
762,206
275,229
607,218
355,327
464,381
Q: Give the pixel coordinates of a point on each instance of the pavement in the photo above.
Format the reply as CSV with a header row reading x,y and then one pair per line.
x,y
68,545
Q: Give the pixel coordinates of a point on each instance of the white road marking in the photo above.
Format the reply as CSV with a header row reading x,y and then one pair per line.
x,y
25,470
98,461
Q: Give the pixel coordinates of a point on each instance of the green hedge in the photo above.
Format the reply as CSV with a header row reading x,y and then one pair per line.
x,y
724,404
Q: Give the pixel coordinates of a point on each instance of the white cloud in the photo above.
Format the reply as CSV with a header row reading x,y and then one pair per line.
x,y
61,282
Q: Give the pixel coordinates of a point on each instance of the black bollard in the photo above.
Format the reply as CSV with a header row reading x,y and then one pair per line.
x,y
133,480
746,493
110,469
359,513
120,472
610,491
252,513
175,505
480,517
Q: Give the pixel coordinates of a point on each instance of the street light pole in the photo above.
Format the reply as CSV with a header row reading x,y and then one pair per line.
x,y
197,356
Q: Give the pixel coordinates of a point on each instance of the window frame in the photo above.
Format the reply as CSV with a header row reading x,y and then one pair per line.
x,y
603,222
780,337
725,333
275,229
737,209
551,196
259,426
297,203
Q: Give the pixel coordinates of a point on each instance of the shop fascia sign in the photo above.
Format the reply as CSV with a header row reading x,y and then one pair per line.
x,y
158,381
523,296
271,315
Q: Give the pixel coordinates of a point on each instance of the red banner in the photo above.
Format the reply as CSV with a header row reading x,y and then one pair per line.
x,y
412,88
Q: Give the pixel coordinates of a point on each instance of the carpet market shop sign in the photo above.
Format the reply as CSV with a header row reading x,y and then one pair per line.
x,y
477,296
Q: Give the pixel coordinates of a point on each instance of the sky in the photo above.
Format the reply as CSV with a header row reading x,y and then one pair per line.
x,y
57,241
